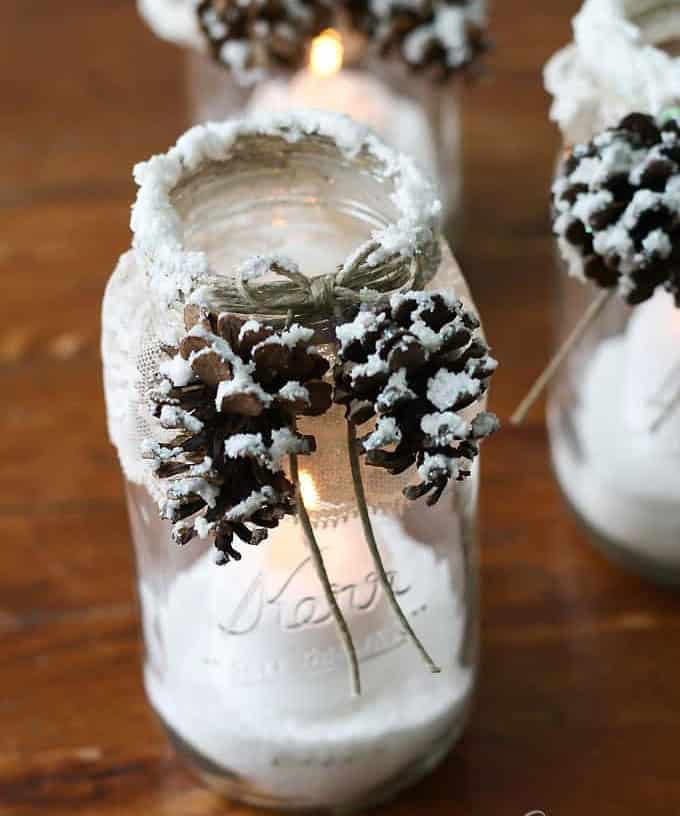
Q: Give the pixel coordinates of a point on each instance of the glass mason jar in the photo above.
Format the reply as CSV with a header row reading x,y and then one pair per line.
x,y
243,662
612,419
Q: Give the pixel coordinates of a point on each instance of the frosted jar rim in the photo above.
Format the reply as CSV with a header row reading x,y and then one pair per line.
x,y
615,65
176,274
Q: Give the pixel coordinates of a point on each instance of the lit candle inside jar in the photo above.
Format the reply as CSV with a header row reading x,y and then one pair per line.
x,y
624,481
285,594
289,582
326,85
259,656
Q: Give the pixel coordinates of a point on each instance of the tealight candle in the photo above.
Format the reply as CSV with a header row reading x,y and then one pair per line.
x,y
325,84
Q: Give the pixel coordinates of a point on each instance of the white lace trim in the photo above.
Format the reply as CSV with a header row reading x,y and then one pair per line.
x,y
130,356
613,67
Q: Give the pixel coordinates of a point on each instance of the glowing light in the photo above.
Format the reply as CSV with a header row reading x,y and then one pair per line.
x,y
308,491
327,53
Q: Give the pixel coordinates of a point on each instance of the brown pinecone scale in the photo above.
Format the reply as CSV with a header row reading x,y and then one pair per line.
x,y
227,401
415,366
616,208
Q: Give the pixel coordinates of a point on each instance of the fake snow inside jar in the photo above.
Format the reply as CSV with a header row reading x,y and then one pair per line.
x,y
295,376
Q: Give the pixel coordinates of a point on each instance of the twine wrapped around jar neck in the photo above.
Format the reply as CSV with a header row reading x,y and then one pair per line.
x,y
402,254
300,297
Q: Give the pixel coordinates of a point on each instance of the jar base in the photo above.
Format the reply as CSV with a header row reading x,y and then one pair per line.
x,y
236,788
644,567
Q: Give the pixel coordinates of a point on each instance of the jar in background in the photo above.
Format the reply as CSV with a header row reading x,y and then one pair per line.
x,y
612,415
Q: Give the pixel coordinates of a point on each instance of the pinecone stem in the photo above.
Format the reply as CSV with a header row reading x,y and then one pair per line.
x,y
317,559
589,316
360,495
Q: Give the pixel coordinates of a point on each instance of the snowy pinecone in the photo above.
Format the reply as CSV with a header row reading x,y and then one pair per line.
x,y
442,36
227,400
416,365
254,36
616,208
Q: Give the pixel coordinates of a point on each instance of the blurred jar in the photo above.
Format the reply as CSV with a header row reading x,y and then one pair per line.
x,y
243,663
613,422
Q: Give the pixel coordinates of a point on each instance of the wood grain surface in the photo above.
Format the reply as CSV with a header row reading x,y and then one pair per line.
x,y
579,703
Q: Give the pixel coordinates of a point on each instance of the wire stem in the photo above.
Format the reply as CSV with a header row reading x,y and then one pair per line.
x,y
590,315
373,546
317,559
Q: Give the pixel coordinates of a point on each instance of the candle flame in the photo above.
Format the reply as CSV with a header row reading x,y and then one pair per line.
x,y
308,491
326,54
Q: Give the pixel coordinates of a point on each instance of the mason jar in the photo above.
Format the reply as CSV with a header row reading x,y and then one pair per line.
x,y
409,110
612,411
243,663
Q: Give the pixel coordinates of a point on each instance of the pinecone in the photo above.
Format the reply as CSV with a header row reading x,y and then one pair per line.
x,y
228,396
439,36
416,365
249,36
616,208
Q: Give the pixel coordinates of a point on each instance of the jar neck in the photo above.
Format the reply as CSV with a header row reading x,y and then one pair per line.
x,y
285,222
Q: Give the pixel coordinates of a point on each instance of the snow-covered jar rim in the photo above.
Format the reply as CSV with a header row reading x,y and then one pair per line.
x,y
397,253
615,65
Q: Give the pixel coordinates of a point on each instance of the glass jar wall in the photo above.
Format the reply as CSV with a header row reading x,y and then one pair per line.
x,y
243,662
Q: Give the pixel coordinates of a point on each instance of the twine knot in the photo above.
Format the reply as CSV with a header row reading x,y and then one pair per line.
x,y
273,286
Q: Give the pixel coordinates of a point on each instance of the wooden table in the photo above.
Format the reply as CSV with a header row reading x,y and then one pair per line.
x,y
579,705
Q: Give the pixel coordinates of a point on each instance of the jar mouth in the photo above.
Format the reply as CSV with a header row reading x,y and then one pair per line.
x,y
312,158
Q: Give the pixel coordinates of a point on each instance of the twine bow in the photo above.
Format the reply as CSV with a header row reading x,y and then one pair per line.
x,y
355,283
